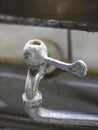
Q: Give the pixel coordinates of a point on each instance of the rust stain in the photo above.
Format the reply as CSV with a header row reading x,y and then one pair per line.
x,y
12,61
72,10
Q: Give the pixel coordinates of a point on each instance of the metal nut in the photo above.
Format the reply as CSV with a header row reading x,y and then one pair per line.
x,y
35,102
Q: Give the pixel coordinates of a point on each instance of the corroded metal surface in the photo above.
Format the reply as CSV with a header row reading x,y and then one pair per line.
x,y
49,23
72,14
35,54
72,10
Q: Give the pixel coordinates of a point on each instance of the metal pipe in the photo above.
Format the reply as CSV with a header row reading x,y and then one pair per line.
x,y
73,25
43,115
35,54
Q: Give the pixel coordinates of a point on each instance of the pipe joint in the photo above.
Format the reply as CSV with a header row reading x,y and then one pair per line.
x,y
34,102
36,56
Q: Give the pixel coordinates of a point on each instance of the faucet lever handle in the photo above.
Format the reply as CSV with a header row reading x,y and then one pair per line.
x,y
36,54
78,68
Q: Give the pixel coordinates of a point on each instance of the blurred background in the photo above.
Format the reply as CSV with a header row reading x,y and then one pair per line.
x,y
69,29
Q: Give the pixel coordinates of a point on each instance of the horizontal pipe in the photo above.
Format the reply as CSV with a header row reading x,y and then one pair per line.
x,y
40,114
90,27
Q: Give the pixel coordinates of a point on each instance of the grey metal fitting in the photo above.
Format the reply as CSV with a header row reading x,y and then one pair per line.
x,y
36,56
35,52
35,102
